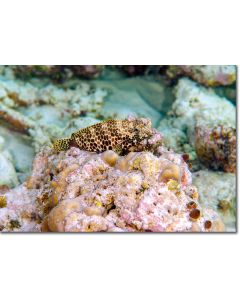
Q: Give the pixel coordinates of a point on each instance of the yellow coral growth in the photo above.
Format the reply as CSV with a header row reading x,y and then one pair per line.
x,y
58,214
91,211
171,172
110,157
3,201
173,185
60,185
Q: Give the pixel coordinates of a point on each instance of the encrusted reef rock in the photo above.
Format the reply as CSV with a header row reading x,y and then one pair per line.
x,y
137,192
219,194
57,72
19,211
80,191
133,70
8,174
216,147
8,177
45,112
205,74
198,107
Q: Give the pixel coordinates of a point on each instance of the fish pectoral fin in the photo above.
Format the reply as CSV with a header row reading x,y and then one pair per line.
x,y
73,143
118,149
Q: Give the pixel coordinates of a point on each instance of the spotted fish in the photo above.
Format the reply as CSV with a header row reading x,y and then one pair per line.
x,y
117,135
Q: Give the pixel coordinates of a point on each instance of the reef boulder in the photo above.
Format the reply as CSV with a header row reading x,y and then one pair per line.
x,y
81,191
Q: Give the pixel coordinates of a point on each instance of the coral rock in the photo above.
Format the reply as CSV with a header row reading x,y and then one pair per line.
x,y
58,73
95,196
219,194
216,147
133,70
205,74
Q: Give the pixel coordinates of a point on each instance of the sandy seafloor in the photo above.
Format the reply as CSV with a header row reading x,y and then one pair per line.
x,y
35,111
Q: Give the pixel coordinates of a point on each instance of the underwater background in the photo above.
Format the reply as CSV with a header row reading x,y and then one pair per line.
x,y
192,107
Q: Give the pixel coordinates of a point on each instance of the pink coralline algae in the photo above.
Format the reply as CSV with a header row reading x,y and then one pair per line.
x,y
80,191
20,212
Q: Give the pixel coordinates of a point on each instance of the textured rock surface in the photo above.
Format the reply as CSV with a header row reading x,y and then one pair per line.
x,y
216,147
207,75
219,194
57,72
79,191
8,174
45,112
194,106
